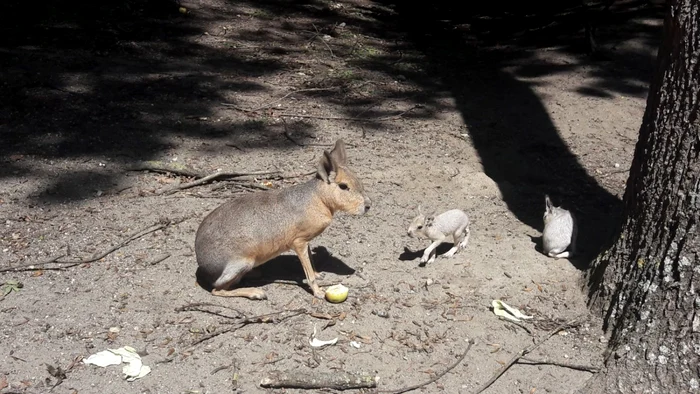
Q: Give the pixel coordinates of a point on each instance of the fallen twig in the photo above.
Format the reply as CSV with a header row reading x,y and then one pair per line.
x,y
165,167
211,177
523,352
319,380
271,103
521,325
200,307
323,41
357,119
578,367
266,318
73,263
436,377
614,172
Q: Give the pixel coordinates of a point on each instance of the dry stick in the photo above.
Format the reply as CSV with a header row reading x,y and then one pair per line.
x,y
266,318
525,351
434,379
614,172
391,117
73,263
210,177
195,308
319,380
578,367
323,41
271,103
521,325
164,167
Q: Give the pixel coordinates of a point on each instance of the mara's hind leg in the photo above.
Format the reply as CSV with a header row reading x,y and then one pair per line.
x,y
465,239
457,239
233,273
561,255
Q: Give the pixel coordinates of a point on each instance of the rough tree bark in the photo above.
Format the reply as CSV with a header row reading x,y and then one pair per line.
x,y
647,283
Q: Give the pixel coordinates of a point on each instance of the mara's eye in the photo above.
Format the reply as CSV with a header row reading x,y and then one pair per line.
x,y
420,227
343,186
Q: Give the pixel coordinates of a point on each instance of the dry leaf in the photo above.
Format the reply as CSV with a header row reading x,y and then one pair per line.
x,y
37,273
318,315
539,287
271,356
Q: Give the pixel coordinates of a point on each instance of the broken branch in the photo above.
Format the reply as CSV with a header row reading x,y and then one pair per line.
x,y
165,167
274,317
271,103
319,380
578,367
436,377
391,117
211,177
73,263
525,351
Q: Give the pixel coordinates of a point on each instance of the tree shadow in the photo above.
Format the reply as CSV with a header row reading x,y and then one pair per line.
x,y
117,81
519,146
123,80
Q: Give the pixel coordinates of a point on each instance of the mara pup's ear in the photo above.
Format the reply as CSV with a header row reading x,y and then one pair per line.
x,y
548,204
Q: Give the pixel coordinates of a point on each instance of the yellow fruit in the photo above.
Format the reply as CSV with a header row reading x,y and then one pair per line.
x,y
337,293
183,10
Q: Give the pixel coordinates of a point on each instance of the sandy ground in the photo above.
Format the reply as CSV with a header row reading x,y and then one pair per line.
x,y
488,128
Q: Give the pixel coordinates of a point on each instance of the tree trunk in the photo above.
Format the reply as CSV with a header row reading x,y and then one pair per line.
x,y
647,284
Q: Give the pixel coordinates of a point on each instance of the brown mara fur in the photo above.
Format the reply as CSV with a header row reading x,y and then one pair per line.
x,y
252,229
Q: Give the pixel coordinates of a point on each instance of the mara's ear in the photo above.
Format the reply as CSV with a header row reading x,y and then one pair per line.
x,y
548,204
327,168
429,221
338,153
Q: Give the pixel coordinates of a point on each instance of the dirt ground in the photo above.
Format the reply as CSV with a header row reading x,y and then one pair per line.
x,y
483,110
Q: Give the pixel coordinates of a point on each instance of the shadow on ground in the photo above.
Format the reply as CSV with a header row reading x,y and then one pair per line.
x,y
287,269
519,146
118,79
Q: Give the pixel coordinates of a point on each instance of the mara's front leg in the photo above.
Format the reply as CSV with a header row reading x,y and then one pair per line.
x,y
428,256
301,248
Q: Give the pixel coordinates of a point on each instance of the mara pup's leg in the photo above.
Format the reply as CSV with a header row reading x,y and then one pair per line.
x,y
457,238
428,255
465,240
561,255
233,273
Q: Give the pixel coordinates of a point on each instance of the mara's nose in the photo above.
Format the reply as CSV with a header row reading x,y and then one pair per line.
x,y
368,203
